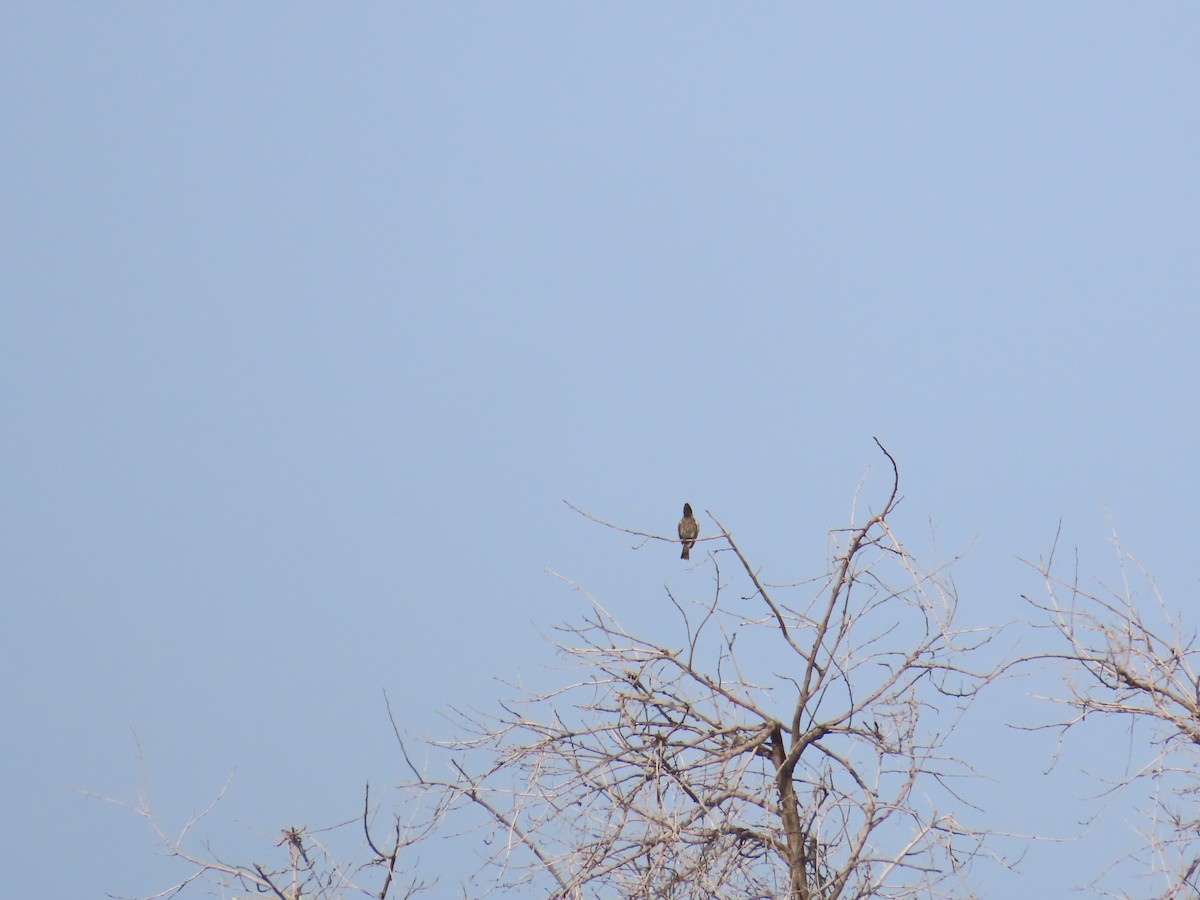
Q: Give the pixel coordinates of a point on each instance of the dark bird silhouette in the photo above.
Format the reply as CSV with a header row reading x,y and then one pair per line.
x,y
689,530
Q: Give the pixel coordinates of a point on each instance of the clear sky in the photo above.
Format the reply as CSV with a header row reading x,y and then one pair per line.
x,y
314,313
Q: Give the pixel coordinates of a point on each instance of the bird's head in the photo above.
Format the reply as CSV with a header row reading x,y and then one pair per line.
x,y
687,510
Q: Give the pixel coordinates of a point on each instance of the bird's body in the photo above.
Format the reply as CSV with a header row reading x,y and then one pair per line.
x,y
689,530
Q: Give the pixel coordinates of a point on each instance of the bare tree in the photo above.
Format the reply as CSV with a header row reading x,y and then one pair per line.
x,y
305,867
776,747
1126,658
782,742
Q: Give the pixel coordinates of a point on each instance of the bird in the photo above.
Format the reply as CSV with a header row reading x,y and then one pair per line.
x,y
689,530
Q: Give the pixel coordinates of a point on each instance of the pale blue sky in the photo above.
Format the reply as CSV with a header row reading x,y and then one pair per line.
x,y
313,314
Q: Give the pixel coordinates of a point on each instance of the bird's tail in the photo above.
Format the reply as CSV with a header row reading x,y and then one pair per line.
x,y
686,554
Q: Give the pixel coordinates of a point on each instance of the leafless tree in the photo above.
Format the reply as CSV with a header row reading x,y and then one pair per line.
x,y
1126,658
305,868
778,746
783,742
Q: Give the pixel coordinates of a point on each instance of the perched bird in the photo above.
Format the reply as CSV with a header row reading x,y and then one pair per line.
x,y
689,530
